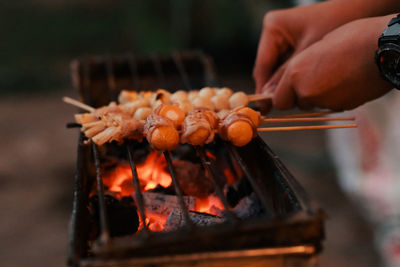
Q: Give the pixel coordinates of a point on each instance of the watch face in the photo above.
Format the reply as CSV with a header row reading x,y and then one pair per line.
x,y
389,62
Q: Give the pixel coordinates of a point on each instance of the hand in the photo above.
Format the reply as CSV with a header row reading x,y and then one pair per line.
x,y
289,31
337,72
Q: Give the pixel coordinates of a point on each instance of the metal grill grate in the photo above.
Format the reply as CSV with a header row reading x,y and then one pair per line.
x,y
281,197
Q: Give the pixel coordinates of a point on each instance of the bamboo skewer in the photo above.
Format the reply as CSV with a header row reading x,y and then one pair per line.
x,y
299,128
78,104
301,119
301,115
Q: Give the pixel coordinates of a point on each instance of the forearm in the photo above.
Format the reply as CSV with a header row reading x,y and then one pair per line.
x,y
331,14
337,72
356,9
287,32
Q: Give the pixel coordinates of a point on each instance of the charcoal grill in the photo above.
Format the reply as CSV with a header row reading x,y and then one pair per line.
x,y
288,234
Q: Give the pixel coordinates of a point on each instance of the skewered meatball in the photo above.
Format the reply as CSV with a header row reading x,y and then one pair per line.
x,y
172,112
161,96
253,115
202,102
238,129
220,102
142,113
192,95
225,91
161,133
223,113
197,129
146,94
179,96
207,92
240,133
238,99
211,116
186,106
126,96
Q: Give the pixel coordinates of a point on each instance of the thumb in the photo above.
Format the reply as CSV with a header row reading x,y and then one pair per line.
x,y
270,49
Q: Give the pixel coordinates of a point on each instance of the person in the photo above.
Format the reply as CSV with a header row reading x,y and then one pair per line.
x,y
322,55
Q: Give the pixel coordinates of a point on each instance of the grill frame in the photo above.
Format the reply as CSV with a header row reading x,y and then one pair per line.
x,y
302,226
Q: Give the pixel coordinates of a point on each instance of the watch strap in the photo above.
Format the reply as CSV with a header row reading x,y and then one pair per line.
x,y
394,20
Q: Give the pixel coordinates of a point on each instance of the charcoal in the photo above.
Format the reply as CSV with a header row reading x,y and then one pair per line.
x,y
140,150
121,214
237,191
192,179
176,220
164,204
185,152
110,152
248,206
163,190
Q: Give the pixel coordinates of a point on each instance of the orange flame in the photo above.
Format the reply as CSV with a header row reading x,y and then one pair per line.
x,y
210,155
211,205
230,177
151,173
155,222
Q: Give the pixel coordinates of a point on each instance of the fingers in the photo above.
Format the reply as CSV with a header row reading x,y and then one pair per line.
x,y
281,85
267,55
271,85
289,83
284,95
271,48
266,105
284,87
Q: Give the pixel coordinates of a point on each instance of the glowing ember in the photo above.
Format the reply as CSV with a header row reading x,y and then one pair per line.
x,y
155,222
230,177
209,205
117,177
151,173
210,155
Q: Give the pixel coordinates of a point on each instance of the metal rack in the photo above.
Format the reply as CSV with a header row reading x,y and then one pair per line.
x,y
291,201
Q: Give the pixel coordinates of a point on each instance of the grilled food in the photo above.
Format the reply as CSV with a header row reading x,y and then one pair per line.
x,y
198,128
161,133
161,116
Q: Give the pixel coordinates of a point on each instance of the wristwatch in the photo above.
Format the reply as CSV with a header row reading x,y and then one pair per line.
x,y
387,56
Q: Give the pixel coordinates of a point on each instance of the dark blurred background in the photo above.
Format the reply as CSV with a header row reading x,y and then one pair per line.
x,y
39,38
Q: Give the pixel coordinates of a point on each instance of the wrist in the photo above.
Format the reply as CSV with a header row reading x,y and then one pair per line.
x,y
344,11
369,8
